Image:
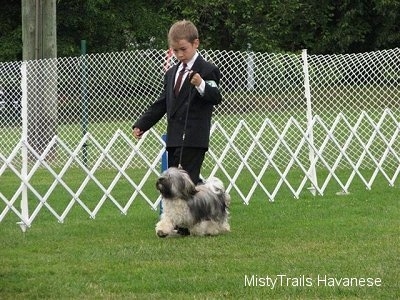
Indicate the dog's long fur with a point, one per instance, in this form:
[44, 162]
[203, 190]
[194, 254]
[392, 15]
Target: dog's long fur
[203, 209]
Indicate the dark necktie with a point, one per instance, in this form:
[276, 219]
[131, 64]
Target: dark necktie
[179, 80]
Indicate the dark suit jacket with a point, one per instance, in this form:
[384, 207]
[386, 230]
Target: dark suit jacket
[200, 107]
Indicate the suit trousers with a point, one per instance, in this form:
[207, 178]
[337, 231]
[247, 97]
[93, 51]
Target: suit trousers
[192, 160]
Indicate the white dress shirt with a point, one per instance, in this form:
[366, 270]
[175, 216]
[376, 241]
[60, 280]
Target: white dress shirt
[189, 66]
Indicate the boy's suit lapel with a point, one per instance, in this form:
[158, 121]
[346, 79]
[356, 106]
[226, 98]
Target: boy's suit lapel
[173, 102]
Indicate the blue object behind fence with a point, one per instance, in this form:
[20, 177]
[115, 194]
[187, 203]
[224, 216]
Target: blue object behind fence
[164, 165]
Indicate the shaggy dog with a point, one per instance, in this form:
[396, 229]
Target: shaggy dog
[202, 209]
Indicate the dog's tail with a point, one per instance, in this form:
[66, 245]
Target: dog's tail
[217, 186]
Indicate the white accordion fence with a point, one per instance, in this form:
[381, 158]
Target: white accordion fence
[288, 121]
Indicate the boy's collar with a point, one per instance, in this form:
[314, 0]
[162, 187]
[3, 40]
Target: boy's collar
[191, 62]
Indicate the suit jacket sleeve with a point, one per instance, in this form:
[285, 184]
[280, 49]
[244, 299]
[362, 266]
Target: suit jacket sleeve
[211, 92]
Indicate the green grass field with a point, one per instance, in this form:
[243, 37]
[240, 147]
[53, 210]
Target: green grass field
[308, 247]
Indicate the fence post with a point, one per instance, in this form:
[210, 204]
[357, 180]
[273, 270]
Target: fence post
[307, 93]
[24, 150]
[84, 99]
[164, 165]
[250, 69]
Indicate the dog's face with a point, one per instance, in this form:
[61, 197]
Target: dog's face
[175, 183]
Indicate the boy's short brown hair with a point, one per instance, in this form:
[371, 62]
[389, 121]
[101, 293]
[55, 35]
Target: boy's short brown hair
[183, 30]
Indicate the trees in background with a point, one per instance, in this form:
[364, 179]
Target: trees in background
[10, 30]
[321, 26]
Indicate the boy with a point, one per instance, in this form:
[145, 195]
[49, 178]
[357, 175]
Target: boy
[188, 120]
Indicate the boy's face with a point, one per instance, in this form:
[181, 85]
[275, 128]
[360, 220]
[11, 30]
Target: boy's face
[184, 50]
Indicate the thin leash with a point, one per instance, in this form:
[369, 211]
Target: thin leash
[186, 120]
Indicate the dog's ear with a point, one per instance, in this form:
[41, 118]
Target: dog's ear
[190, 187]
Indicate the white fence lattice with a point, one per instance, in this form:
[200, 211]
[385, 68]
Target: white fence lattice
[280, 112]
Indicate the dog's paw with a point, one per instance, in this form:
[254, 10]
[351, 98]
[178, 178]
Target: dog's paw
[161, 234]
[182, 231]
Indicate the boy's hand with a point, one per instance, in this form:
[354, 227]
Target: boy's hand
[137, 133]
[195, 78]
